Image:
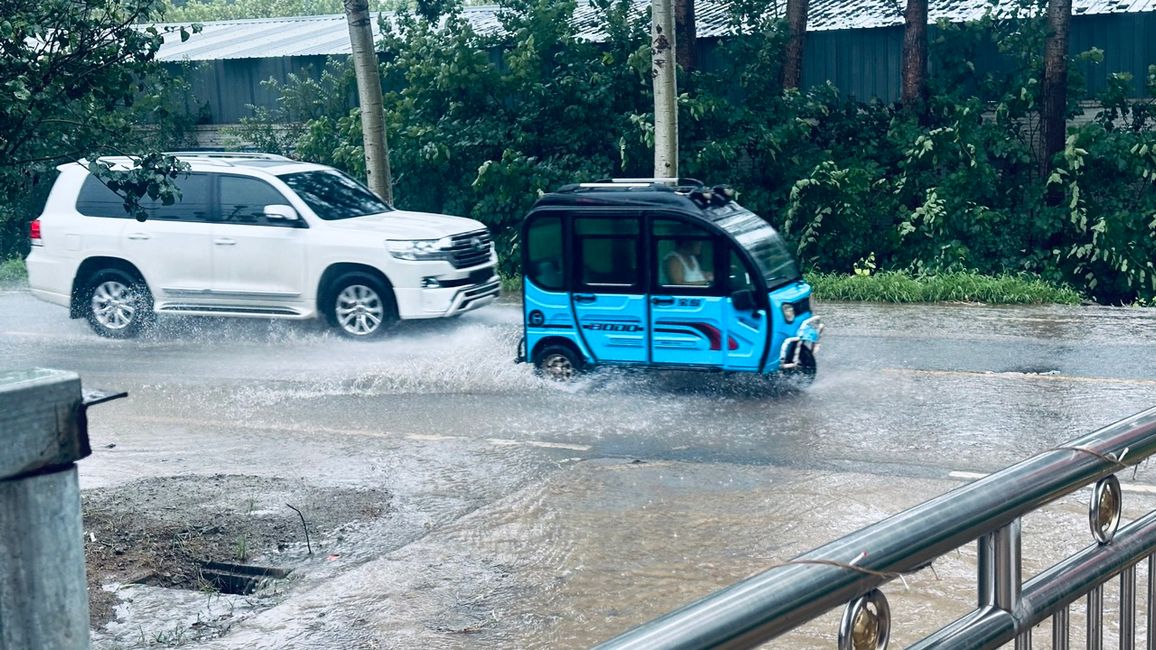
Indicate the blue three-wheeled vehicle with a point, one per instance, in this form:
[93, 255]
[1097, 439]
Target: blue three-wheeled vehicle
[661, 273]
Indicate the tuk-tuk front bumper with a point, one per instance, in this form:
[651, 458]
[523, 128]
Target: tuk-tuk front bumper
[791, 353]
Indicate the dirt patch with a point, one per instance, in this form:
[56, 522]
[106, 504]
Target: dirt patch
[160, 530]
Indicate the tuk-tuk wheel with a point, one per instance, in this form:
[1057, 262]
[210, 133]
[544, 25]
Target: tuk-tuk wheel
[804, 375]
[558, 363]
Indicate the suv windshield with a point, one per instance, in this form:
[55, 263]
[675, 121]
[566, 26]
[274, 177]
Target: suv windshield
[333, 195]
[763, 242]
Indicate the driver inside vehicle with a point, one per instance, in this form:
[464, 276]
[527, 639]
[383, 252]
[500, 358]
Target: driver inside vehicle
[683, 265]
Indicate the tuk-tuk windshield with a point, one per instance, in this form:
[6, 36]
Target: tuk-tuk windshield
[764, 244]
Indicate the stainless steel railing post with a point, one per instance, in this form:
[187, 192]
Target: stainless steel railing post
[1128, 608]
[1151, 602]
[1095, 618]
[1060, 629]
[1007, 566]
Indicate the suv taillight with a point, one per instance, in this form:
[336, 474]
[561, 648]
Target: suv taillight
[34, 233]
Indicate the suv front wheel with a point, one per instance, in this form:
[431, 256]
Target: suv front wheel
[361, 306]
[117, 304]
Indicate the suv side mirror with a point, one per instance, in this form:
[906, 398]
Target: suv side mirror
[282, 213]
[744, 300]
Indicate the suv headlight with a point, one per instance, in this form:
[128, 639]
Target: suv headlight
[420, 249]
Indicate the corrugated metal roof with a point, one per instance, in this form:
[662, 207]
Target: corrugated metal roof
[324, 35]
[856, 14]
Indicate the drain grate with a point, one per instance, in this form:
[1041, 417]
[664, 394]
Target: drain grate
[240, 579]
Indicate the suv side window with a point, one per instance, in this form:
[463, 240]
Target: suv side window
[96, 200]
[608, 252]
[243, 200]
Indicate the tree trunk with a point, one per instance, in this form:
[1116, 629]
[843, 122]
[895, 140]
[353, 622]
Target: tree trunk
[685, 34]
[1053, 119]
[914, 95]
[369, 97]
[662, 49]
[796, 31]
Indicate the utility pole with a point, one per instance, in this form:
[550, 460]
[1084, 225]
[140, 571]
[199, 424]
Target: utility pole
[662, 67]
[369, 97]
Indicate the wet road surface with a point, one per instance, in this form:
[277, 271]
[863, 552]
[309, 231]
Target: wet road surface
[533, 515]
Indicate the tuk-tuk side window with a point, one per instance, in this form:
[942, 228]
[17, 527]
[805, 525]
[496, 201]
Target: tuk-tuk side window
[684, 256]
[740, 275]
[607, 252]
[544, 253]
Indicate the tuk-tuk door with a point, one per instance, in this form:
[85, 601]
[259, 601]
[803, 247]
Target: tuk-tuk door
[609, 292]
[704, 305]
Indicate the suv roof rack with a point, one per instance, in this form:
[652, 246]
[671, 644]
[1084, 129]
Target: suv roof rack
[248, 155]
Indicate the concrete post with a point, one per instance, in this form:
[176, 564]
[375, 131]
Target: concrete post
[43, 595]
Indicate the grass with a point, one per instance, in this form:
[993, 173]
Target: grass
[13, 271]
[901, 286]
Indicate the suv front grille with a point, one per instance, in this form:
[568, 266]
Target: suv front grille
[471, 249]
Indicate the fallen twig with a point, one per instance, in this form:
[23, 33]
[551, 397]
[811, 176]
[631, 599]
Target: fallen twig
[303, 525]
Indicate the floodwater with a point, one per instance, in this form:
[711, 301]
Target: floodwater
[533, 515]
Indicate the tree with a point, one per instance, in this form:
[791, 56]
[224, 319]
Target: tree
[662, 44]
[796, 31]
[1053, 116]
[685, 34]
[369, 92]
[914, 92]
[75, 77]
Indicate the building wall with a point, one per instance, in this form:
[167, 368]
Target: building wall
[1128, 42]
[861, 63]
[225, 89]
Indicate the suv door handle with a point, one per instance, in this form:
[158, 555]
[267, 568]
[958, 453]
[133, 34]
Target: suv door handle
[585, 297]
[662, 302]
[225, 241]
[137, 235]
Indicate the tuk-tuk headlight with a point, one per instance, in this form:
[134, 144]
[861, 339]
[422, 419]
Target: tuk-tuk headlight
[788, 312]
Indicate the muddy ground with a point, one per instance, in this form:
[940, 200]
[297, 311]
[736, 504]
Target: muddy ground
[160, 531]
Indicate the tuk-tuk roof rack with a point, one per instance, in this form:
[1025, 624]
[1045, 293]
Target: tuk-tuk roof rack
[692, 188]
[676, 184]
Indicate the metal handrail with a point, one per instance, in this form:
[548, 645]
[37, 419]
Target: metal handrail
[764, 606]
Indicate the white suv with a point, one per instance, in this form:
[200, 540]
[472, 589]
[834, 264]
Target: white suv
[255, 235]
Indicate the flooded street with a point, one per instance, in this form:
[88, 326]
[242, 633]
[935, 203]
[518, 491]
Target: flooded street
[457, 501]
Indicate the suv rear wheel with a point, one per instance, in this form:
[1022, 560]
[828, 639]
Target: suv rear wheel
[117, 303]
[361, 306]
